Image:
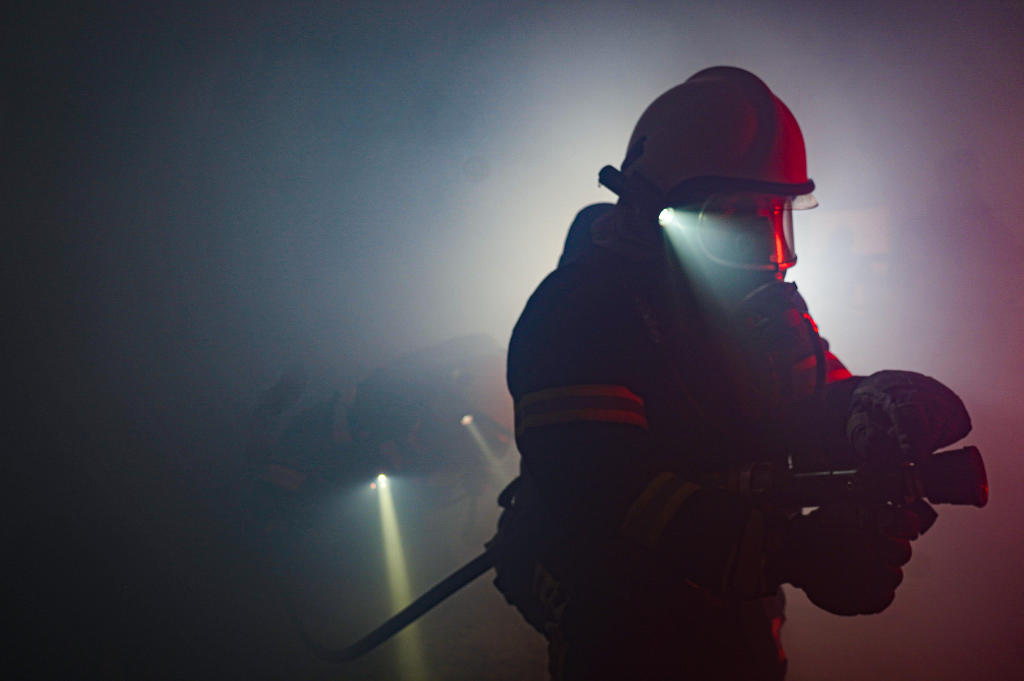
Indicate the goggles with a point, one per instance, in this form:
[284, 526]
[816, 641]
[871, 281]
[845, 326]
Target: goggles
[744, 230]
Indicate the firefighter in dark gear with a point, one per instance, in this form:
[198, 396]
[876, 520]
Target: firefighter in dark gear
[425, 416]
[667, 348]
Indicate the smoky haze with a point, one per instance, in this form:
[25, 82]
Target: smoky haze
[199, 197]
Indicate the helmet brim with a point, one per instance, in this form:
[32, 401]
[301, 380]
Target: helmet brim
[697, 189]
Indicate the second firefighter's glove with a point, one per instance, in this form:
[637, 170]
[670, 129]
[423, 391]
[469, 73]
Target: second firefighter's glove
[846, 559]
[905, 415]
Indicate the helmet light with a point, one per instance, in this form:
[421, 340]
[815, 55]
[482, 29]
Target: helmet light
[740, 230]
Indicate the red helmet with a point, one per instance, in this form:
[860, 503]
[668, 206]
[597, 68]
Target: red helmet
[713, 147]
[721, 130]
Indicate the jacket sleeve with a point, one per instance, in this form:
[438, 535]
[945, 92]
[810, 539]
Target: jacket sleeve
[580, 368]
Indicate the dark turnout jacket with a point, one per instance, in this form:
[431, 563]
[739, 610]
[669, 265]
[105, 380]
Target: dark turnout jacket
[628, 394]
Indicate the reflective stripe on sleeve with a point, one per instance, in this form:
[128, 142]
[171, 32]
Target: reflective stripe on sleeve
[580, 403]
[653, 509]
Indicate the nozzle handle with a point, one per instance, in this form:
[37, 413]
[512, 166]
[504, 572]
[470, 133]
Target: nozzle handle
[956, 476]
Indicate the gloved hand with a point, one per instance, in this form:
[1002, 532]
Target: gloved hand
[846, 559]
[904, 415]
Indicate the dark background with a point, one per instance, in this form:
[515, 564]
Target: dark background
[197, 195]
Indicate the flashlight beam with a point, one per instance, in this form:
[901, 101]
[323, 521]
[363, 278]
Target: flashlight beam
[410, 653]
[494, 467]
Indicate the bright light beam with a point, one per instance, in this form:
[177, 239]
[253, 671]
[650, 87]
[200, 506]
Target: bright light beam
[678, 226]
[499, 476]
[410, 647]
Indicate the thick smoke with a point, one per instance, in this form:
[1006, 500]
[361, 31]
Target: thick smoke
[201, 196]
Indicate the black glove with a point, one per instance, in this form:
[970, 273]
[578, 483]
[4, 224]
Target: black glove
[847, 559]
[904, 415]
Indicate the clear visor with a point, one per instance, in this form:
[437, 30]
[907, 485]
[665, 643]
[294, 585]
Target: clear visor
[742, 230]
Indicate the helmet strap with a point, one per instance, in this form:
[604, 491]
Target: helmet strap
[646, 200]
